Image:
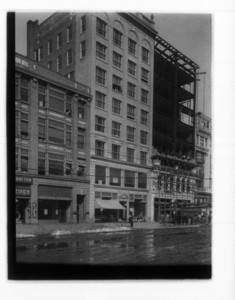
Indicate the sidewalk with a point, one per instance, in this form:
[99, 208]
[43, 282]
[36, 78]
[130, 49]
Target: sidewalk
[64, 228]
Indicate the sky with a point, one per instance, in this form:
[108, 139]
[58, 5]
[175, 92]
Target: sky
[188, 33]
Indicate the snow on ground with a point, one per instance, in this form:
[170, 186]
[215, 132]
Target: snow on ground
[24, 235]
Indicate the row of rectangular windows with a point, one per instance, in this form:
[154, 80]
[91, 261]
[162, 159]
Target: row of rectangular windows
[100, 102]
[115, 177]
[50, 131]
[101, 29]
[116, 153]
[116, 130]
[59, 61]
[38, 53]
[51, 164]
[117, 83]
[57, 99]
[101, 52]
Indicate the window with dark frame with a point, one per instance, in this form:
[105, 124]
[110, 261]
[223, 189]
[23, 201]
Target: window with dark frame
[57, 100]
[100, 100]
[24, 160]
[144, 75]
[143, 137]
[81, 138]
[40, 53]
[116, 129]
[101, 51]
[130, 155]
[129, 178]
[99, 148]
[68, 108]
[131, 68]
[59, 40]
[56, 164]
[143, 116]
[68, 168]
[117, 60]
[81, 110]
[99, 123]
[101, 27]
[56, 132]
[100, 174]
[115, 177]
[42, 95]
[68, 137]
[143, 157]
[83, 23]
[36, 55]
[83, 49]
[116, 151]
[131, 112]
[117, 37]
[116, 106]
[144, 96]
[142, 180]
[131, 46]
[24, 90]
[69, 33]
[117, 84]
[131, 90]
[41, 163]
[100, 75]
[24, 126]
[49, 47]
[69, 57]
[41, 130]
[145, 55]
[130, 135]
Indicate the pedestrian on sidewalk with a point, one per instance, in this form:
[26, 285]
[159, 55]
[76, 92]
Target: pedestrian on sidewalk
[131, 221]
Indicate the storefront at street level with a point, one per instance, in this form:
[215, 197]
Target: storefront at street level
[112, 206]
[23, 194]
[44, 200]
[61, 201]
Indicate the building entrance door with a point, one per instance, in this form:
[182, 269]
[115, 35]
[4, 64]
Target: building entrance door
[80, 208]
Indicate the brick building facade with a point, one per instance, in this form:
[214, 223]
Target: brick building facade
[52, 135]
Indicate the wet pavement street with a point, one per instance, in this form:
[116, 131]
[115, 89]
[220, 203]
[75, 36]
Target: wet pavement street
[181, 246]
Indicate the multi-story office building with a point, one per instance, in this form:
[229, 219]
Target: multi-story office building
[114, 54]
[52, 137]
[203, 159]
[174, 165]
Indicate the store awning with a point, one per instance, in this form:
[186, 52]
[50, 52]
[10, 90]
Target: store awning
[108, 204]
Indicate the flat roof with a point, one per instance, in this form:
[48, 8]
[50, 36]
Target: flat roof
[31, 67]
